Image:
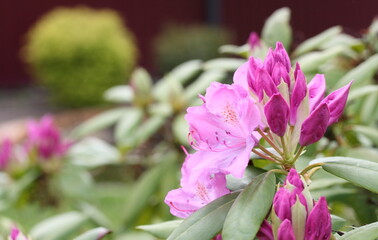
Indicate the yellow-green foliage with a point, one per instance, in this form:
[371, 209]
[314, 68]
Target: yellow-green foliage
[80, 52]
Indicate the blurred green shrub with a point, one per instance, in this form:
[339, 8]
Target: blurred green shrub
[179, 43]
[79, 52]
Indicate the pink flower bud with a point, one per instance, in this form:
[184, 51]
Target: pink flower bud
[314, 127]
[5, 153]
[265, 232]
[264, 83]
[285, 231]
[279, 72]
[298, 94]
[277, 114]
[282, 203]
[336, 102]
[294, 179]
[254, 40]
[281, 55]
[318, 224]
[316, 89]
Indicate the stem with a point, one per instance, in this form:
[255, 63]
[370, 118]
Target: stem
[298, 153]
[278, 171]
[264, 156]
[269, 141]
[284, 147]
[306, 169]
[269, 153]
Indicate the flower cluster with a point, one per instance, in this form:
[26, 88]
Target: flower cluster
[294, 215]
[268, 100]
[44, 138]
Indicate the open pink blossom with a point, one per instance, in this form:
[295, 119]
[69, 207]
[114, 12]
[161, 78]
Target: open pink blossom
[44, 138]
[222, 129]
[193, 195]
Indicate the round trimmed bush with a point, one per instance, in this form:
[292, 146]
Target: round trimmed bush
[179, 43]
[78, 53]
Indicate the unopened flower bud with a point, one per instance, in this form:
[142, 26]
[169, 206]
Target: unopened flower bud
[285, 231]
[277, 114]
[298, 94]
[315, 126]
[318, 224]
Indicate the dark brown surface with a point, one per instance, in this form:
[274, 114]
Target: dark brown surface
[146, 18]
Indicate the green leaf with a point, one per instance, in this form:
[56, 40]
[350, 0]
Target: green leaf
[93, 152]
[362, 74]
[94, 234]
[362, 91]
[360, 172]
[180, 129]
[202, 82]
[206, 222]
[337, 222]
[250, 208]
[127, 123]
[310, 62]
[316, 41]
[367, 232]
[225, 64]
[119, 94]
[161, 230]
[98, 122]
[242, 51]
[185, 71]
[141, 81]
[59, 226]
[370, 132]
[144, 188]
[95, 214]
[148, 128]
[277, 28]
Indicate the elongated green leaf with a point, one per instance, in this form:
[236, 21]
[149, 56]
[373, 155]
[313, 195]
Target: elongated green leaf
[94, 234]
[119, 94]
[127, 123]
[361, 74]
[93, 152]
[185, 71]
[361, 172]
[316, 41]
[144, 188]
[310, 62]
[277, 28]
[180, 129]
[250, 208]
[370, 132]
[367, 232]
[161, 230]
[206, 222]
[203, 82]
[337, 222]
[59, 226]
[362, 91]
[242, 51]
[98, 122]
[95, 215]
[226, 64]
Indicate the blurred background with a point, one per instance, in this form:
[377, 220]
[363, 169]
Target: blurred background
[132, 68]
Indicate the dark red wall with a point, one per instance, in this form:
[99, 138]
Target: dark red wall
[145, 19]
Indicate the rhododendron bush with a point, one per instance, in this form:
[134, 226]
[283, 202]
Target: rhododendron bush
[266, 142]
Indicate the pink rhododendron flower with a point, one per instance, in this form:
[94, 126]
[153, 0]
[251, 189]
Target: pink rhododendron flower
[222, 129]
[44, 138]
[296, 215]
[5, 153]
[193, 195]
